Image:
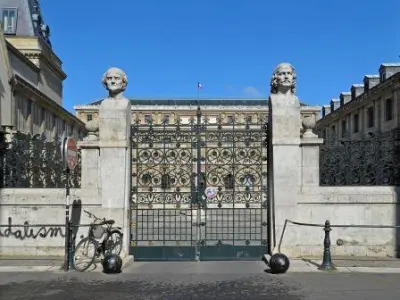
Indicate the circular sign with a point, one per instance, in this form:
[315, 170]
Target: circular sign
[71, 153]
[210, 192]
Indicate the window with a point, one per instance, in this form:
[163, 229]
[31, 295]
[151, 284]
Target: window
[229, 182]
[9, 20]
[248, 181]
[370, 117]
[353, 94]
[89, 117]
[165, 181]
[147, 119]
[166, 119]
[383, 76]
[356, 123]
[344, 128]
[230, 119]
[250, 119]
[333, 130]
[388, 109]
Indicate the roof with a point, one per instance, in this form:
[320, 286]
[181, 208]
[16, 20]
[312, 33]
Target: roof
[195, 101]
[390, 65]
[29, 19]
[371, 76]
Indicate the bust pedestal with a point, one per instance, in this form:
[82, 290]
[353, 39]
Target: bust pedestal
[115, 162]
[284, 160]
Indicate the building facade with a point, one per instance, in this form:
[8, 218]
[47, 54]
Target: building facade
[370, 107]
[31, 86]
[169, 111]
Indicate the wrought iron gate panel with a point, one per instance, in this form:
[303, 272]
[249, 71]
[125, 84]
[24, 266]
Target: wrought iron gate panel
[199, 189]
[234, 163]
[162, 178]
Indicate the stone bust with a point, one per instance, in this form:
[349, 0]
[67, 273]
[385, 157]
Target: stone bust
[283, 81]
[115, 81]
[283, 86]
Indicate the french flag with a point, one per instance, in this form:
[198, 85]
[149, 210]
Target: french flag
[199, 85]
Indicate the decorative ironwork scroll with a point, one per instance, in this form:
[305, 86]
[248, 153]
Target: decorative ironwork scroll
[199, 188]
[33, 162]
[373, 159]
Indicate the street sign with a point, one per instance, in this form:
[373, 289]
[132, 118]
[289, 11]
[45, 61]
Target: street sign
[70, 153]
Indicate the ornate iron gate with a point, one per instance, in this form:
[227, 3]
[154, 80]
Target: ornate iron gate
[199, 188]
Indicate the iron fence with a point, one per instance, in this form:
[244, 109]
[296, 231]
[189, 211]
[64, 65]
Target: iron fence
[372, 159]
[34, 162]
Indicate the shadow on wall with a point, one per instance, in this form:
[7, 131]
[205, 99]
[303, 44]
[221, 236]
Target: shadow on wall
[397, 212]
[2, 89]
[76, 212]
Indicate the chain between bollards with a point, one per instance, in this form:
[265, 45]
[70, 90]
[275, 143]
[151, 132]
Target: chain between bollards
[327, 258]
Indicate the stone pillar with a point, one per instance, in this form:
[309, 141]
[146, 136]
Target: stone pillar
[115, 162]
[310, 153]
[284, 158]
[285, 162]
[90, 154]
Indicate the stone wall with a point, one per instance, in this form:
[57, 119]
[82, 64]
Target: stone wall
[294, 163]
[39, 206]
[344, 206]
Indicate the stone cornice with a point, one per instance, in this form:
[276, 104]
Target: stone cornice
[23, 57]
[353, 104]
[177, 108]
[4, 50]
[191, 108]
[36, 48]
[18, 83]
[43, 58]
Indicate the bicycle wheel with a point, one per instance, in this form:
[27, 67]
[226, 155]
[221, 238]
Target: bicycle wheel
[113, 243]
[84, 254]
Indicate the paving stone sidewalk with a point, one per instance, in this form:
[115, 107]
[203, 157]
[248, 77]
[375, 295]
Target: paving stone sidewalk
[309, 264]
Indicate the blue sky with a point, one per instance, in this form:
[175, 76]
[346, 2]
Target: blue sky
[230, 46]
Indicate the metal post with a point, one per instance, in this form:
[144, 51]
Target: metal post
[199, 178]
[67, 223]
[70, 247]
[327, 260]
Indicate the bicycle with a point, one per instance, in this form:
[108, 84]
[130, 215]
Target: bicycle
[100, 240]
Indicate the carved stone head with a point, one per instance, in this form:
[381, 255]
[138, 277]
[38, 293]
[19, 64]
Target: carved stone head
[115, 81]
[283, 78]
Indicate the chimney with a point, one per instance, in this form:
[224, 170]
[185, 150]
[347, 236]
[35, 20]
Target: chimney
[326, 110]
[370, 81]
[387, 70]
[335, 104]
[356, 90]
[344, 98]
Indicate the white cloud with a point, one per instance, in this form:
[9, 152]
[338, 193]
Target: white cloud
[251, 91]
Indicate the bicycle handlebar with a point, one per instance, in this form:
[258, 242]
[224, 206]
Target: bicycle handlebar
[93, 216]
[103, 221]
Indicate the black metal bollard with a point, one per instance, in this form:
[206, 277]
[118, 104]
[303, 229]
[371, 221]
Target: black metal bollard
[67, 241]
[327, 259]
[70, 247]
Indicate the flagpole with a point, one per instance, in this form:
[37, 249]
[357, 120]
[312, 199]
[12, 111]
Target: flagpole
[198, 94]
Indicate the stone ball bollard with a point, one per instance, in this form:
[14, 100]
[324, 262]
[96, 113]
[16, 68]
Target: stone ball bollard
[279, 263]
[112, 264]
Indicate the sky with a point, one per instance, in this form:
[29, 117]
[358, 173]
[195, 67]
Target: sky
[230, 46]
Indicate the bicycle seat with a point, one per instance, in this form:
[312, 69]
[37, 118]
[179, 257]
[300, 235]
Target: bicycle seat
[109, 222]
